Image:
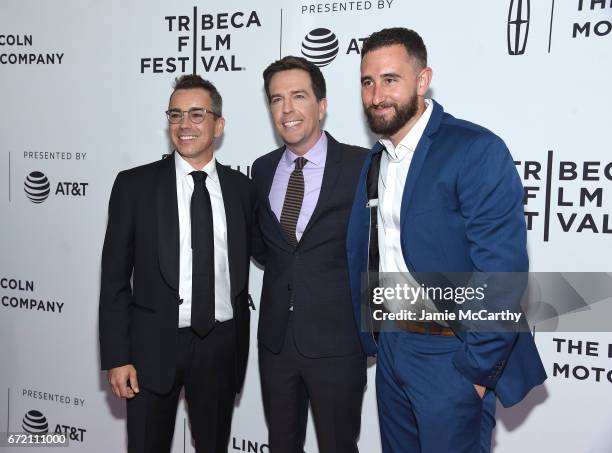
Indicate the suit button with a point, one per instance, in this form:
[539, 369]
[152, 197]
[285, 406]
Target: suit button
[180, 301]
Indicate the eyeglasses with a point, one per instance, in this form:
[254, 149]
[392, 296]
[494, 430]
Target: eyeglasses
[196, 115]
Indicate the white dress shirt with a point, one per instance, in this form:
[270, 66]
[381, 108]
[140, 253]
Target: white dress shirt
[394, 165]
[184, 190]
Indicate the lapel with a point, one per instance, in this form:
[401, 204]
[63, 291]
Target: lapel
[168, 223]
[236, 241]
[420, 154]
[371, 181]
[268, 172]
[359, 223]
[331, 173]
[367, 187]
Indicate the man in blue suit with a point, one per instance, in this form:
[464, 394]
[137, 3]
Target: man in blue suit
[436, 194]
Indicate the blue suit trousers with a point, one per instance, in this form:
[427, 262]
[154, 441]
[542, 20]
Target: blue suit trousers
[425, 404]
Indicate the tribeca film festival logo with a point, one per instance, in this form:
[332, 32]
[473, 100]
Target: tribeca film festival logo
[518, 26]
[37, 187]
[203, 44]
[18, 50]
[574, 195]
[19, 294]
[35, 422]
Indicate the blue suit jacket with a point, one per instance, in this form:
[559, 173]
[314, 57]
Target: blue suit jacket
[461, 212]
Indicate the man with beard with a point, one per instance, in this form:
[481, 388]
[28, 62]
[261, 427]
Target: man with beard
[436, 194]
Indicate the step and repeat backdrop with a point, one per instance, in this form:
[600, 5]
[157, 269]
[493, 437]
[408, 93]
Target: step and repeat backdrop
[84, 85]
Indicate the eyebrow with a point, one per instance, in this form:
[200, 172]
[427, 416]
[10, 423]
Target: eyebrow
[176, 109]
[272, 95]
[382, 76]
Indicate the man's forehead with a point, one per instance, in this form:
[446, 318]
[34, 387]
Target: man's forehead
[291, 77]
[386, 59]
[393, 51]
[186, 95]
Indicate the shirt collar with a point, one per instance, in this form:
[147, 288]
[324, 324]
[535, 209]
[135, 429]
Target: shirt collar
[183, 168]
[315, 155]
[410, 141]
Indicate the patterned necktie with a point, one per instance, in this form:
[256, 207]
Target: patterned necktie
[203, 257]
[293, 201]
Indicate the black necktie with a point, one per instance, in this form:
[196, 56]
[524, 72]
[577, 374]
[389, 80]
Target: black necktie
[373, 252]
[293, 201]
[203, 257]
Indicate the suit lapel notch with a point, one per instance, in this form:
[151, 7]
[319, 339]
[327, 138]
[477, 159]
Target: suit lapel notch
[331, 174]
[418, 159]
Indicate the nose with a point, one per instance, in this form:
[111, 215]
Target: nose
[185, 120]
[378, 95]
[288, 105]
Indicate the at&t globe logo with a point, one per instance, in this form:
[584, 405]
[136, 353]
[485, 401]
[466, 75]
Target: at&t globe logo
[34, 422]
[37, 187]
[320, 46]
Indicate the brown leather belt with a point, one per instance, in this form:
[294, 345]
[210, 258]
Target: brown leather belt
[425, 328]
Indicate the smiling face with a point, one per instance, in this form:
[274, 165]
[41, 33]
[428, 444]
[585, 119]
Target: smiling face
[296, 112]
[195, 141]
[393, 90]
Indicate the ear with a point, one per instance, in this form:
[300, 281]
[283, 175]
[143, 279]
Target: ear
[423, 81]
[219, 127]
[322, 108]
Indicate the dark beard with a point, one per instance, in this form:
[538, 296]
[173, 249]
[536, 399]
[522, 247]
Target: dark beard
[387, 128]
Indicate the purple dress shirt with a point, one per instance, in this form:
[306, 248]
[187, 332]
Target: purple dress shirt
[313, 177]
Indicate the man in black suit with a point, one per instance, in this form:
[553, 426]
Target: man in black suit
[308, 344]
[174, 288]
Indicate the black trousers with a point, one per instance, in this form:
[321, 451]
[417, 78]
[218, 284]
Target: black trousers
[205, 368]
[334, 386]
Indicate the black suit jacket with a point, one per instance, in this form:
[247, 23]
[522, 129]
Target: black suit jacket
[314, 275]
[140, 271]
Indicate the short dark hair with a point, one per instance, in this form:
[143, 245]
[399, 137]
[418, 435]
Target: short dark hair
[290, 62]
[190, 81]
[410, 39]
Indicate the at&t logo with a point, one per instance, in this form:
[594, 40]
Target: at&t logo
[37, 187]
[34, 422]
[320, 46]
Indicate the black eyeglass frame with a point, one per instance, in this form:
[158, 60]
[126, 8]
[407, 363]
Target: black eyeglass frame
[189, 112]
